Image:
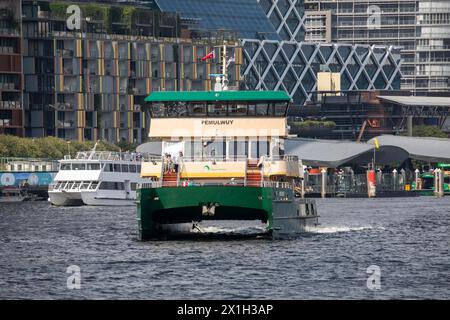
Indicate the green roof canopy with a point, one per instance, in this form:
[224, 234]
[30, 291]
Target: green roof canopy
[167, 96]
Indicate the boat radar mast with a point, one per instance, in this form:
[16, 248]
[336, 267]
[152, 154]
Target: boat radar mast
[222, 78]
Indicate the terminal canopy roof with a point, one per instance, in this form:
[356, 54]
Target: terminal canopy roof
[419, 148]
[418, 101]
[392, 149]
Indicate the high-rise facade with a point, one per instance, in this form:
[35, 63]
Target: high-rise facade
[275, 55]
[420, 27]
[11, 80]
[84, 75]
[90, 83]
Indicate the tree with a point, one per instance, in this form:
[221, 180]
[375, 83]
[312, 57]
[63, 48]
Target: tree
[48, 147]
[428, 131]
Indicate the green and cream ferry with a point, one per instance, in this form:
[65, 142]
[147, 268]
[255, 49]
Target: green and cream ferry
[222, 159]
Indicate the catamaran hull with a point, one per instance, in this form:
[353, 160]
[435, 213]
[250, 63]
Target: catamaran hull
[94, 199]
[284, 215]
[60, 198]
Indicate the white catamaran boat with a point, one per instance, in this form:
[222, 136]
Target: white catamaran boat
[97, 178]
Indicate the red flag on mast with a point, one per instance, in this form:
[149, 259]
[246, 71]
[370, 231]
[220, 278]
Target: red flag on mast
[210, 55]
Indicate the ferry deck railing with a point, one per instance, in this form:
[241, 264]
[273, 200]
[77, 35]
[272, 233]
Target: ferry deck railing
[203, 183]
[106, 155]
[153, 158]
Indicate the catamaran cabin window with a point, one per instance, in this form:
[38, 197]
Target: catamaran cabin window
[117, 168]
[133, 168]
[259, 149]
[280, 109]
[84, 185]
[93, 185]
[125, 168]
[238, 149]
[217, 109]
[239, 109]
[78, 166]
[197, 109]
[93, 166]
[108, 167]
[107, 185]
[158, 110]
[76, 185]
[214, 149]
[66, 166]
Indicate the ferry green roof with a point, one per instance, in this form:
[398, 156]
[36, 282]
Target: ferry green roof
[167, 96]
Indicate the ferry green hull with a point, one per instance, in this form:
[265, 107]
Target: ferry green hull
[161, 207]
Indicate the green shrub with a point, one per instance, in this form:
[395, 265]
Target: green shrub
[48, 147]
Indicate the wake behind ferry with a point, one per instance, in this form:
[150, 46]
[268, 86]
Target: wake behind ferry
[223, 159]
[97, 178]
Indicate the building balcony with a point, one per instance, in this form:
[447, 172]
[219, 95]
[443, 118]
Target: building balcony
[9, 32]
[67, 124]
[8, 86]
[10, 105]
[66, 106]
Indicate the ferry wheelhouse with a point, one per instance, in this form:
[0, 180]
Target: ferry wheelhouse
[222, 158]
[100, 178]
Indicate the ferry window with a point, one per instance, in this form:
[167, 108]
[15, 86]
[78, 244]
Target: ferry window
[117, 168]
[263, 148]
[75, 185]
[93, 185]
[217, 109]
[139, 168]
[108, 167]
[158, 110]
[78, 166]
[188, 149]
[133, 186]
[65, 166]
[261, 109]
[124, 168]
[197, 109]
[108, 185]
[251, 111]
[176, 109]
[428, 183]
[259, 149]
[277, 148]
[214, 149]
[93, 166]
[239, 149]
[70, 185]
[237, 109]
[280, 109]
[132, 168]
[84, 185]
[197, 150]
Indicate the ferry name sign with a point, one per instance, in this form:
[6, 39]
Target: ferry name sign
[218, 127]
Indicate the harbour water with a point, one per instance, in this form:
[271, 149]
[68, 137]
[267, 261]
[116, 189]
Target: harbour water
[407, 238]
